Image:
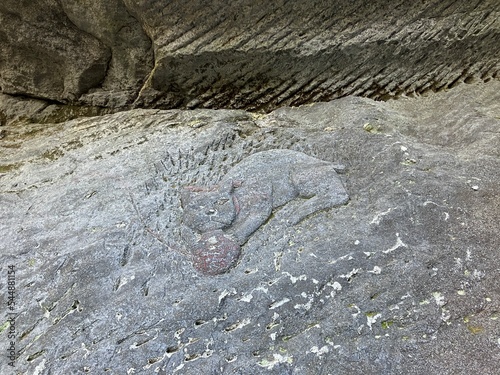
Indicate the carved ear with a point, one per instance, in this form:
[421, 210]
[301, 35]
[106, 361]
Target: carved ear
[228, 186]
[237, 183]
[340, 168]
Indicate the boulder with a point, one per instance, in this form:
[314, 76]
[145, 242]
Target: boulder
[403, 279]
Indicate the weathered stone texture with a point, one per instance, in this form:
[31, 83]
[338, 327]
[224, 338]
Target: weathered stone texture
[44, 55]
[246, 54]
[403, 279]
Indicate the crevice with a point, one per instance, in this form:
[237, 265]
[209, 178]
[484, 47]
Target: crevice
[34, 356]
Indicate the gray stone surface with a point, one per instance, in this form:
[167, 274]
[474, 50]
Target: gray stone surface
[244, 54]
[403, 279]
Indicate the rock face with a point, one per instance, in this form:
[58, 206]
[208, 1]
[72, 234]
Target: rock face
[247, 54]
[403, 279]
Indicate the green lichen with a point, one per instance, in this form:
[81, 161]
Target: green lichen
[370, 128]
[475, 329]
[386, 324]
[409, 162]
[52, 155]
[4, 326]
[9, 167]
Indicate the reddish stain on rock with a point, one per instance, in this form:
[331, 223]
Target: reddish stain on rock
[215, 253]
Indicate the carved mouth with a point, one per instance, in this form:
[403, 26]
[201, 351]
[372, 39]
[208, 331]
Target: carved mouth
[220, 224]
[236, 205]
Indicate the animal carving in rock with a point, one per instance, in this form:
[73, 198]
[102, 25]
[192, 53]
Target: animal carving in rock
[219, 219]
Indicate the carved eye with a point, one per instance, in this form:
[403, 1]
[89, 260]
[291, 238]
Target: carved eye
[221, 202]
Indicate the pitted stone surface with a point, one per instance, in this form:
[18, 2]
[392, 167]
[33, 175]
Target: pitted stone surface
[402, 279]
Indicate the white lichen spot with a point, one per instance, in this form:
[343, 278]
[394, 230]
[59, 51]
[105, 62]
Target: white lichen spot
[251, 270]
[461, 292]
[212, 240]
[277, 304]
[478, 275]
[304, 306]
[178, 333]
[358, 310]
[275, 360]
[446, 216]
[368, 253]
[424, 302]
[315, 281]
[407, 295]
[371, 319]
[468, 256]
[246, 298]
[225, 293]
[434, 203]
[262, 289]
[125, 279]
[398, 244]
[350, 274]
[273, 336]
[335, 285]
[207, 353]
[319, 351]
[131, 371]
[475, 187]
[338, 259]
[178, 368]
[445, 314]
[376, 219]
[84, 348]
[439, 299]
[40, 367]
[356, 242]
[376, 270]
[238, 325]
[294, 279]
[46, 311]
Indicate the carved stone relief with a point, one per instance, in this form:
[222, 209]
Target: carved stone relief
[217, 220]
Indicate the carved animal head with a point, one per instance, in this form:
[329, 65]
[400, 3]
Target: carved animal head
[208, 209]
